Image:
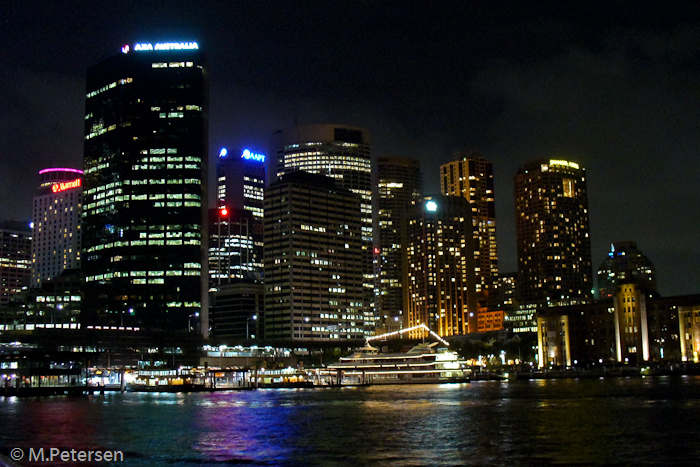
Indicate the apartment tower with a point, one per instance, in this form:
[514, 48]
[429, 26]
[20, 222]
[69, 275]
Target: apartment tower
[399, 181]
[471, 177]
[552, 233]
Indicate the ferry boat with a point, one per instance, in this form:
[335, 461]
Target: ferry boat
[423, 364]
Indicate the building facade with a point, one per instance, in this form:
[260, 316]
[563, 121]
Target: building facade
[235, 251]
[552, 234]
[313, 261]
[15, 259]
[145, 188]
[342, 153]
[440, 289]
[237, 311]
[471, 177]
[399, 181]
[241, 178]
[56, 232]
[625, 264]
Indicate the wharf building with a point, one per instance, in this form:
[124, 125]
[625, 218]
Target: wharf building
[15, 259]
[145, 189]
[56, 233]
[625, 264]
[440, 289]
[471, 177]
[342, 153]
[399, 181]
[633, 327]
[313, 261]
[552, 235]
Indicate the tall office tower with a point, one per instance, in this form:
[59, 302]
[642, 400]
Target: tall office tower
[471, 177]
[240, 189]
[56, 230]
[233, 252]
[15, 259]
[440, 288]
[553, 244]
[342, 153]
[313, 262]
[145, 191]
[625, 264]
[399, 181]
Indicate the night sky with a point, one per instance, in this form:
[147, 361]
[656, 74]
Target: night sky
[611, 85]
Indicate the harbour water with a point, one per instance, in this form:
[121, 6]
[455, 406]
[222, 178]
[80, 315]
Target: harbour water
[567, 422]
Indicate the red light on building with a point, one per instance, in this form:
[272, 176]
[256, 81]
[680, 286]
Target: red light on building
[63, 186]
[223, 211]
[376, 251]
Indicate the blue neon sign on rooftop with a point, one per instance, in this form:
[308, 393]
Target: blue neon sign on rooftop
[253, 156]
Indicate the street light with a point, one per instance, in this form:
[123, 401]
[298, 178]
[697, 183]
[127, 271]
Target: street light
[247, 332]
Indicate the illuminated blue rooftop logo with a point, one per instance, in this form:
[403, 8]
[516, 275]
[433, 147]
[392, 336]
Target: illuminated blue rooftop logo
[223, 152]
[247, 155]
[431, 206]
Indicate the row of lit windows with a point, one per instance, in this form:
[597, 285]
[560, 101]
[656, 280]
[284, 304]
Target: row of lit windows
[171, 65]
[108, 87]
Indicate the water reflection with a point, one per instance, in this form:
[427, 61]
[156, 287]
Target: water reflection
[619, 421]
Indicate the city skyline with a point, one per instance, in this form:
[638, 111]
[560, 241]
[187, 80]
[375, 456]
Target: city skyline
[610, 90]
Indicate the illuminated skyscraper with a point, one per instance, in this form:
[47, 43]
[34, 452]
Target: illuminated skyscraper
[56, 230]
[399, 181]
[15, 259]
[471, 177]
[145, 191]
[553, 244]
[236, 238]
[440, 289]
[342, 153]
[625, 265]
[313, 265]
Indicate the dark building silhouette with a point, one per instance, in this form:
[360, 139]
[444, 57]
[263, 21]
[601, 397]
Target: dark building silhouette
[625, 264]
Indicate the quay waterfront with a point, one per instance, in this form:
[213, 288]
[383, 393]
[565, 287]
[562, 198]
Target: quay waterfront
[650, 421]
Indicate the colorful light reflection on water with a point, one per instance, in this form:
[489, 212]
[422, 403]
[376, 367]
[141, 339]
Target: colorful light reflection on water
[624, 421]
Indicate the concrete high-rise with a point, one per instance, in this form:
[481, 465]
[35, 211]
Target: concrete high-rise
[313, 261]
[440, 289]
[552, 233]
[145, 188]
[342, 153]
[56, 233]
[471, 177]
[399, 181]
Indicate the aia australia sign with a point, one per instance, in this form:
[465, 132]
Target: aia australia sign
[63, 186]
